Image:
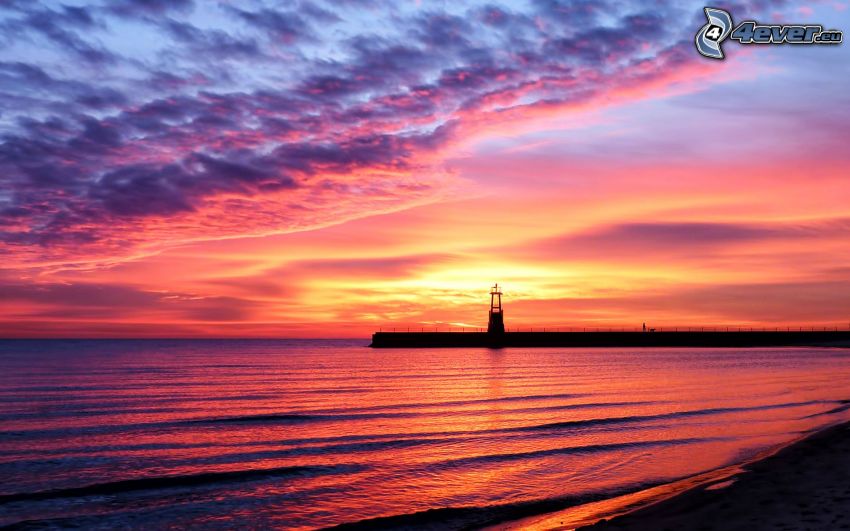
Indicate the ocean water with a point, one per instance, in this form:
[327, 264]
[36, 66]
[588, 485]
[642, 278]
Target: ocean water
[308, 434]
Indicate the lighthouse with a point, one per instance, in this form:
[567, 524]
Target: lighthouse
[496, 324]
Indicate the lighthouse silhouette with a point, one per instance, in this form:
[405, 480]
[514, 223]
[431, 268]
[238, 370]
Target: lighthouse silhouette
[496, 324]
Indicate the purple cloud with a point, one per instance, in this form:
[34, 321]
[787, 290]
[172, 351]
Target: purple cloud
[282, 117]
[657, 241]
[86, 300]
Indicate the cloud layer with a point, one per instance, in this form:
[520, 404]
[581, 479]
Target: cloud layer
[264, 168]
[143, 124]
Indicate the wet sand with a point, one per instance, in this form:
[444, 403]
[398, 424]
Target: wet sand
[803, 486]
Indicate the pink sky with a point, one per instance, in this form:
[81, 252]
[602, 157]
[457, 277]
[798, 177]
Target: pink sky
[638, 183]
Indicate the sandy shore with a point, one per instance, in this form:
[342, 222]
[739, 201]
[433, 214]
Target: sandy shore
[804, 486]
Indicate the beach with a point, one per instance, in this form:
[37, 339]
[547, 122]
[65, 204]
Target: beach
[805, 485]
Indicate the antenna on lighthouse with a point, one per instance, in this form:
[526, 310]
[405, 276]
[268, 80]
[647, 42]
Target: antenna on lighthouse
[496, 323]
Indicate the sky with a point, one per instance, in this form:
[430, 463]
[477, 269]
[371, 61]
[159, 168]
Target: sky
[180, 168]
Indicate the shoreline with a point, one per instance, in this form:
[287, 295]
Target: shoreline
[626, 509]
[804, 483]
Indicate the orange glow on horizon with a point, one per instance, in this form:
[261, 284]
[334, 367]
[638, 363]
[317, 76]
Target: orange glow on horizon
[606, 212]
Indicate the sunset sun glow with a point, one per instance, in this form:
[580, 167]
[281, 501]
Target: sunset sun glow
[171, 171]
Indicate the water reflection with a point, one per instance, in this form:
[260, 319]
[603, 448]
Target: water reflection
[309, 434]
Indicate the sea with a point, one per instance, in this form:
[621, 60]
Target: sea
[308, 434]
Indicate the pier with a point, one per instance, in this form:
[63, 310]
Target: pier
[497, 337]
[770, 338]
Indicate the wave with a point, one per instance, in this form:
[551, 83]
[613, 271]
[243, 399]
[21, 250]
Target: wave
[308, 451]
[180, 481]
[658, 416]
[383, 413]
[464, 517]
[452, 403]
[585, 449]
[307, 417]
[845, 405]
[86, 413]
[443, 435]
[297, 417]
[271, 417]
[474, 517]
